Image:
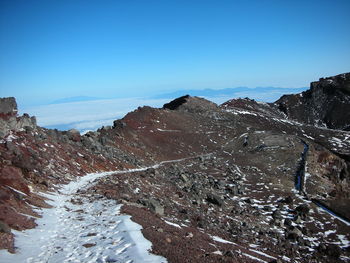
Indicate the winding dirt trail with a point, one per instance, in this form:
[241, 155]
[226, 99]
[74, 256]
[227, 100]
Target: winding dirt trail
[84, 228]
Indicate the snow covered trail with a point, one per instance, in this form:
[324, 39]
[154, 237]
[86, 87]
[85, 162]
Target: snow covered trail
[79, 228]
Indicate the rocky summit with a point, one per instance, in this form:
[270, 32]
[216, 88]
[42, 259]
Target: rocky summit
[326, 103]
[244, 181]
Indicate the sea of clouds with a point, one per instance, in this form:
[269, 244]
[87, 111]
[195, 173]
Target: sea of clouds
[93, 114]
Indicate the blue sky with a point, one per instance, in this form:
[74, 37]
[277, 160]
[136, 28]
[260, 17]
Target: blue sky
[54, 49]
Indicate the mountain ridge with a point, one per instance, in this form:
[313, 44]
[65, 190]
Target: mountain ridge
[227, 92]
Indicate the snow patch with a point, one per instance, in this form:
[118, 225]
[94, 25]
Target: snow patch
[255, 258]
[262, 253]
[162, 130]
[17, 191]
[172, 224]
[219, 239]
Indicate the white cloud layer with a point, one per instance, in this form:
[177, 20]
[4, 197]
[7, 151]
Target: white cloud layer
[88, 114]
[91, 115]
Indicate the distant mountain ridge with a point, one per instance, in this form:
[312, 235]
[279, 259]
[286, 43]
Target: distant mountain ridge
[232, 92]
[74, 99]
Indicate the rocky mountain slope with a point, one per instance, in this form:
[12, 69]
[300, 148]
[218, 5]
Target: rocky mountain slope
[241, 182]
[326, 103]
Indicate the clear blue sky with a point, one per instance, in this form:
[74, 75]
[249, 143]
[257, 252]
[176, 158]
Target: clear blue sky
[61, 48]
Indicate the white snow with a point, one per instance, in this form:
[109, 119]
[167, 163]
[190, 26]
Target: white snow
[219, 239]
[172, 224]
[255, 258]
[262, 253]
[286, 258]
[338, 142]
[236, 112]
[162, 130]
[17, 191]
[343, 240]
[253, 245]
[64, 229]
[307, 176]
[11, 137]
[345, 259]
[327, 233]
[308, 136]
[333, 215]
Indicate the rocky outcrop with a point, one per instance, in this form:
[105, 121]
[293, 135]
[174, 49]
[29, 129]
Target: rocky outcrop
[9, 119]
[326, 103]
[8, 105]
[174, 104]
[253, 106]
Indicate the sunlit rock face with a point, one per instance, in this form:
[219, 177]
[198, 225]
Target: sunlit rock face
[8, 105]
[326, 103]
[9, 119]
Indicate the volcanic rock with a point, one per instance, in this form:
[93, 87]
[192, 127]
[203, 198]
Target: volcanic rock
[8, 105]
[326, 103]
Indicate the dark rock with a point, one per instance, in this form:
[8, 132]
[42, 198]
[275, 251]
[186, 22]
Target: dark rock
[214, 199]
[87, 245]
[277, 214]
[327, 102]
[118, 124]
[287, 222]
[151, 172]
[153, 205]
[293, 234]
[267, 208]
[4, 228]
[248, 201]
[45, 183]
[13, 148]
[174, 104]
[183, 211]
[302, 209]
[73, 135]
[288, 200]
[331, 250]
[234, 190]
[229, 253]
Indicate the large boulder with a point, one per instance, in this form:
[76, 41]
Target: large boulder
[153, 205]
[8, 105]
[9, 120]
